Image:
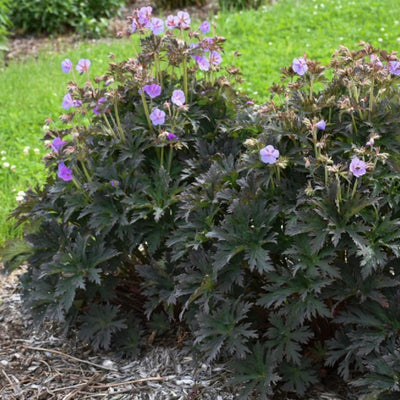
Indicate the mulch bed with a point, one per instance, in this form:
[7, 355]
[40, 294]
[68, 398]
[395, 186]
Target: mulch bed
[45, 364]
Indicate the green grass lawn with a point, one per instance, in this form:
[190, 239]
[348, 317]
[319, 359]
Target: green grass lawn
[268, 39]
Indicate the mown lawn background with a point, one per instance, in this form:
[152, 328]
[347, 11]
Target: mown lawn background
[268, 39]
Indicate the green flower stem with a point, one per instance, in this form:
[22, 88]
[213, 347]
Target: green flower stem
[315, 140]
[326, 175]
[85, 171]
[76, 183]
[109, 126]
[278, 173]
[354, 123]
[354, 188]
[371, 99]
[162, 157]
[339, 193]
[170, 154]
[272, 180]
[146, 110]
[185, 77]
[121, 131]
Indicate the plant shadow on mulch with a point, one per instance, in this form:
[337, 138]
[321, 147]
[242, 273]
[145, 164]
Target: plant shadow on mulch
[46, 364]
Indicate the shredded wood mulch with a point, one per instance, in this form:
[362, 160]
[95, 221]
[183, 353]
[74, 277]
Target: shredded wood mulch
[47, 365]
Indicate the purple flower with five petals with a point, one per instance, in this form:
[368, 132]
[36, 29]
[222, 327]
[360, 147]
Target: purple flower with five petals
[157, 117]
[152, 90]
[83, 65]
[64, 172]
[358, 167]
[57, 144]
[66, 65]
[183, 19]
[205, 27]
[172, 22]
[394, 67]
[68, 102]
[215, 58]
[157, 26]
[269, 154]
[144, 15]
[178, 97]
[202, 62]
[299, 66]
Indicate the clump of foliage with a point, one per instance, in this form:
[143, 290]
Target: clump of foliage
[4, 23]
[60, 16]
[269, 232]
[133, 139]
[288, 258]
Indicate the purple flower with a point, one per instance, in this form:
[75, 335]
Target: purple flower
[207, 42]
[114, 183]
[66, 65]
[57, 144]
[157, 26]
[144, 16]
[134, 26]
[157, 117]
[321, 125]
[202, 62]
[269, 154]
[152, 90]
[370, 142]
[83, 65]
[183, 19]
[358, 167]
[97, 109]
[394, 67]
[68, 102]
[64, 172]
[171, 136]
[178, 97]
[299, 66]
[215, 58]
[375, 60]
[172, 22]
[205, 27]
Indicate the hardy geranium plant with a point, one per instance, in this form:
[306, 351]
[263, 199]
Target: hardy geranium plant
[133, 139]
[270, 232]
[287, 259]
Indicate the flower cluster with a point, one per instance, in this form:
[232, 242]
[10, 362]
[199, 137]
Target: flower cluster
[82, 66]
